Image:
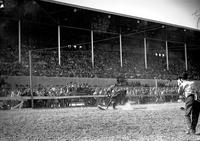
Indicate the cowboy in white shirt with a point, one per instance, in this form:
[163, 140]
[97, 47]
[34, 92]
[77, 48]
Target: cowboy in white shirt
[188, 89]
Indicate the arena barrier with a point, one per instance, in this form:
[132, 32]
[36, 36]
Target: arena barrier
[138, 99]
[25, 98]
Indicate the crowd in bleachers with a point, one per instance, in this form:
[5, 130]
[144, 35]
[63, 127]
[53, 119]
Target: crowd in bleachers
[78, 63]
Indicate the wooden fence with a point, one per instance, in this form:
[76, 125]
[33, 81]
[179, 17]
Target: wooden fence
[138, 98]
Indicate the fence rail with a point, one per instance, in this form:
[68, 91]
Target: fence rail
[73, 97]
[139, 99]
[50, 97]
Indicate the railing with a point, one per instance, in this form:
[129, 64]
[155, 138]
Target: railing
[25, 98]
[50, 97]
[75, 96]
[138, 98]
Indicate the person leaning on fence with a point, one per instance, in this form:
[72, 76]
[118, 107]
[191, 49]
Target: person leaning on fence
[188, 89]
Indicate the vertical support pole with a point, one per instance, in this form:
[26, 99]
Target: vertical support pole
[30, 79]
[120, 45]
[92, 48]
[145, 52]
[19, 41]
[167, 55]
[156, 84]
[156, 89]
[186, 63]
[59, 53]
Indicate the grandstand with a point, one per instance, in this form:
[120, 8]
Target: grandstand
[71, 47]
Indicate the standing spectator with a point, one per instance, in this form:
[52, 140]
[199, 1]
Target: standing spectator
[192, 105]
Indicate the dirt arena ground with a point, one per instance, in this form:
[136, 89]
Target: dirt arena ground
[127, 123]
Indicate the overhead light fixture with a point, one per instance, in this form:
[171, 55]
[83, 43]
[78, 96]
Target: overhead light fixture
[34, 2]
[75, 10]
[2, 4]
[128, 29]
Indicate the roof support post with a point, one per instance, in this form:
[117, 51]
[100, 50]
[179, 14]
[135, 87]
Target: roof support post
[186, 63]
[120, 45]
[59, 53]
[92, 48]
[167, 54]
[145, 52]
[19, 41]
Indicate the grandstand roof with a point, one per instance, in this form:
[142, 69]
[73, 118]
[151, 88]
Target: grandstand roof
[85, 19]
[182, 13]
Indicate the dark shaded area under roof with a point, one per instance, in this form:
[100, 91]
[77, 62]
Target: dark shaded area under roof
[38, 12]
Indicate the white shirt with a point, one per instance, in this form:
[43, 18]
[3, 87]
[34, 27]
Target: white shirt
[187, 88]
